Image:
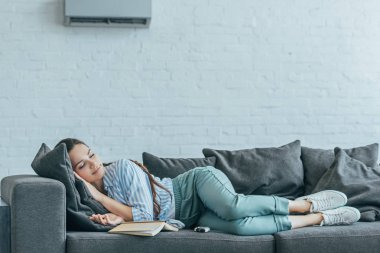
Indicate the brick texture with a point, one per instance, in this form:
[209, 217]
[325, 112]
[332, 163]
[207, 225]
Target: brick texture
[216, 73]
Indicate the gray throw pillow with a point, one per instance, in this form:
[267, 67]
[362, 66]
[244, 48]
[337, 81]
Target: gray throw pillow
[263, 171]
[359, 182]
[172, 167]
[317, 161]
[80, 204]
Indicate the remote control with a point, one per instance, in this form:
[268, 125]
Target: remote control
[202, 229]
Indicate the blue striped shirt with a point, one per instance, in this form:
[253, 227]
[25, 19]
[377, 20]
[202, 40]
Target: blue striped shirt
[127, 183]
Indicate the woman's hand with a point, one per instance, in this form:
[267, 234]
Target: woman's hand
[94, 192]
[107, 219]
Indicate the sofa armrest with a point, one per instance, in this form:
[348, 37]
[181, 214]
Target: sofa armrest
[37, 212]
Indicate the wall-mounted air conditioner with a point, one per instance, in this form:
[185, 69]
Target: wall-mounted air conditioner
[120, 13]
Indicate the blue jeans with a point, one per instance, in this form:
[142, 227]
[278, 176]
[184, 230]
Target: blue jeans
[204, 196]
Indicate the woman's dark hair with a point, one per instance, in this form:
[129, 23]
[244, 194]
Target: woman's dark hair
[71, 142]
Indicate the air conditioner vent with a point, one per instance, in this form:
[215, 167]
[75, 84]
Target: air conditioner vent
[121, 13]
[89, 21]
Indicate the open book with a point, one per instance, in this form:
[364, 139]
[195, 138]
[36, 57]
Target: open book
[143, 228]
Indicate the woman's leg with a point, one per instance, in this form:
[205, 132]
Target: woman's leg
[260, 225]
[299, 206]
[218, 195]
[299, 221]
[269, 224]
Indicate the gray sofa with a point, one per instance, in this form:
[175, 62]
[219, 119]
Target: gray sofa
[38, 224]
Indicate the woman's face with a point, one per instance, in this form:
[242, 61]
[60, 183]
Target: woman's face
[86, 164]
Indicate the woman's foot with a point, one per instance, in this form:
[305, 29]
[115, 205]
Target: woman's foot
[325, 200]
[340, 216]
[345, 215]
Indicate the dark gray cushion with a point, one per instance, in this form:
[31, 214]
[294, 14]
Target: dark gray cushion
[172, 167]
[183, 241]
[263, 171]
[360, 183]
[357, 238]
[56, 164]
[317, 161]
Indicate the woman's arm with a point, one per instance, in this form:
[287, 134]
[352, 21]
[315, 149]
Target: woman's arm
[111, 205]
[107, 219]
[116, 207]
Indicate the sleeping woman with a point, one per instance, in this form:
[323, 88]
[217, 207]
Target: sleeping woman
[202, 196]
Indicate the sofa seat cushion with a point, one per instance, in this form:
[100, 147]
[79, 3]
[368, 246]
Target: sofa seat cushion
[357, 238]
[167, 242]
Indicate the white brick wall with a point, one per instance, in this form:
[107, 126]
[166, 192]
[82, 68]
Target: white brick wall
[216, 73]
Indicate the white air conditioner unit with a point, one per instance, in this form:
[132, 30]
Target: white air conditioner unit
[105, 13]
